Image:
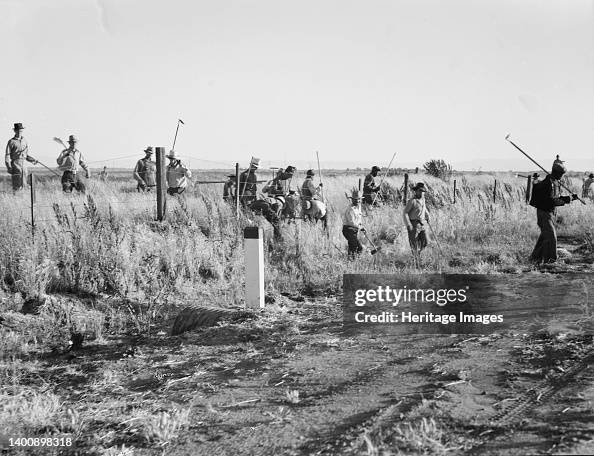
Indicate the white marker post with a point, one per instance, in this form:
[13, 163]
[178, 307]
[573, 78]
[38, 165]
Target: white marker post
[254, 266]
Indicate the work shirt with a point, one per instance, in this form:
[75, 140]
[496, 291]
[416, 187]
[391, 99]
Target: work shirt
[552, 190]
[229, 190]
[145, 171]
[308, 189]
[352, 217]
[369, 184]
[17, 149]
[177, 175]
[416, 209]
[70, 160]
[247, 183]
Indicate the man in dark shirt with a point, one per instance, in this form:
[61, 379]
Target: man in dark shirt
[545, 250]
[369, 186]
[17, 154]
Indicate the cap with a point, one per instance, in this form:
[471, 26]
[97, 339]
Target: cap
[375, 168]
[72, 139]
[310, 172]
[420, 186]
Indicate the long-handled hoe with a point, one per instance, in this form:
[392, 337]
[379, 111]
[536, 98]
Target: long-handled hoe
[375, 248]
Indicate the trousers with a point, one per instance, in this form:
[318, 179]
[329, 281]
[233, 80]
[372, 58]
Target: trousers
[545, 249]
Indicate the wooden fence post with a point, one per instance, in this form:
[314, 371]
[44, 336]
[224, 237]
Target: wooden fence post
[161, 184]
[237, 189]
[254, 266]
[405, 188]
[529, 190]
[494, 190]
[32, 183]
[454, 191]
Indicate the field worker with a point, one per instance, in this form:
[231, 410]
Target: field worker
[587, 184]
[248, 183]
[177, 175]
[415, 214]
[145, 172]
[546, 197]
[17, 154]
[229, 188]
[308, 190]
[279, 186]
[370, 187]
[352, 219]
[558, 161]
[534, 178]
[69, 162]
[103, 174]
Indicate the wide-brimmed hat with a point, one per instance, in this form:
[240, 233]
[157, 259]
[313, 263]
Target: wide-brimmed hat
[310, 172]
[18, 126]
[290, 169]
[173, 155]
[420, 186]
[255, 163]
[72, 139]
[149, 150]
[375, 168]
[559, 168]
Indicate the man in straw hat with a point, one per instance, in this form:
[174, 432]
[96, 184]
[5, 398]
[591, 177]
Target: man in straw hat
[352, 220]
[248, 183]
[69, 162]
[546, 197]
[370, 187]
[145, 172]
[17, 154]
[415, 214]
[177, 175]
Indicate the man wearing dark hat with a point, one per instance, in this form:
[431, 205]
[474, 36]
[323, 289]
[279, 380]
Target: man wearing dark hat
[351, 224]
[587, 183]
[415, 214]
[17, 154]
[145, 172]
[69, 161]
[229, 189]
[248, 183]
[308, 190]
[281, 183]
[369, 186]
[546, 196]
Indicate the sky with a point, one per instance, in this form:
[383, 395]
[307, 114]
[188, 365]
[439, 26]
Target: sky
[356, 81]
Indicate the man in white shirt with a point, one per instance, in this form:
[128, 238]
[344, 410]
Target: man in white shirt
[69, 161]
[16, 158]
[352, 219]
[177, 175]
[415, 214]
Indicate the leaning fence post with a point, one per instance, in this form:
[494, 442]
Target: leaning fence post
[32, 183]
[161, 184]
[237, 189]
[254, 266]
[494, 190]
[529, 190]
[454, 191]
[405, 187]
